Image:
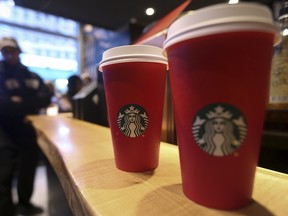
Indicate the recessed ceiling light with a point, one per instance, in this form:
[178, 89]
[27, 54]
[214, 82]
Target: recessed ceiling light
[150, 11]
[233, 1]
[88, 28]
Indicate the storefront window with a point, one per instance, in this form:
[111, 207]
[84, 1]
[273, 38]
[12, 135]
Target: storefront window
[49, 43]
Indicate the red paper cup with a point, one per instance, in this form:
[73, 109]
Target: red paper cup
[219, 61]
[134, 80]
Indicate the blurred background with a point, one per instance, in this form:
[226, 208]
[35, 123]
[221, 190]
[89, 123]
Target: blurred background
[61, 38]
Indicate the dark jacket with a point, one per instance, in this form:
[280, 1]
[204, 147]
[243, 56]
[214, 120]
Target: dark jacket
[19, 81]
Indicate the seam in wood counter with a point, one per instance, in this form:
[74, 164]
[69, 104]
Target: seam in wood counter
[81, 154]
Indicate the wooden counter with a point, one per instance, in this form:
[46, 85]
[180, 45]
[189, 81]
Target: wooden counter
[81, 154]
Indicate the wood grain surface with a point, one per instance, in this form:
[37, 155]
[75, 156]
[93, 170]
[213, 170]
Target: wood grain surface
[81, 153]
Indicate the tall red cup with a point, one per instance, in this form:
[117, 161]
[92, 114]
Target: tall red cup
[219, 61]
[134, 80]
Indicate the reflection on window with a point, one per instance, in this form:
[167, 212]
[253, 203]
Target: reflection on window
[52, 63]
[61, 85]
[40, 20]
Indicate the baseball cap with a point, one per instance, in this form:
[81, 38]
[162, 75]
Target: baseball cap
[8, 42]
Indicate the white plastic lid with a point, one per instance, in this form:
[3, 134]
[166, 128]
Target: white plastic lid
[132, 53]
[222, 18]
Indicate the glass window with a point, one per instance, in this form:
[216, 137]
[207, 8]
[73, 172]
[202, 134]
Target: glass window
[49, 43]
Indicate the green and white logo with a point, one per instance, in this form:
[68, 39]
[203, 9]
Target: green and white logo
[132, 120]
[219, 129]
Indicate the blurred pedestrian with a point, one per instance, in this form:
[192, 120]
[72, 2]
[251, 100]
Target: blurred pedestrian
[75, 84]
[22, 93]
[86, 78]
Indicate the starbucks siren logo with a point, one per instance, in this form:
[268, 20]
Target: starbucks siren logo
[132, 120]
[219, 129]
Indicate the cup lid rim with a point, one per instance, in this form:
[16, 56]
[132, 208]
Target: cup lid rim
[128, 53]
[219, 14]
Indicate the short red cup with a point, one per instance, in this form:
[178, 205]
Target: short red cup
[219, 63]
[134, 81]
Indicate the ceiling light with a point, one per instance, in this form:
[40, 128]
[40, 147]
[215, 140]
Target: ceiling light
[150, 11]
[88, 28]
[233, 1]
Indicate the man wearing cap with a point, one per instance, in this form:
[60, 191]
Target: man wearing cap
[21, 93]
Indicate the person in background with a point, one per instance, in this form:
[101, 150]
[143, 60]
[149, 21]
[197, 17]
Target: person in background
[22, 93]
[75, 84]
[65, 102]
[86, 78]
